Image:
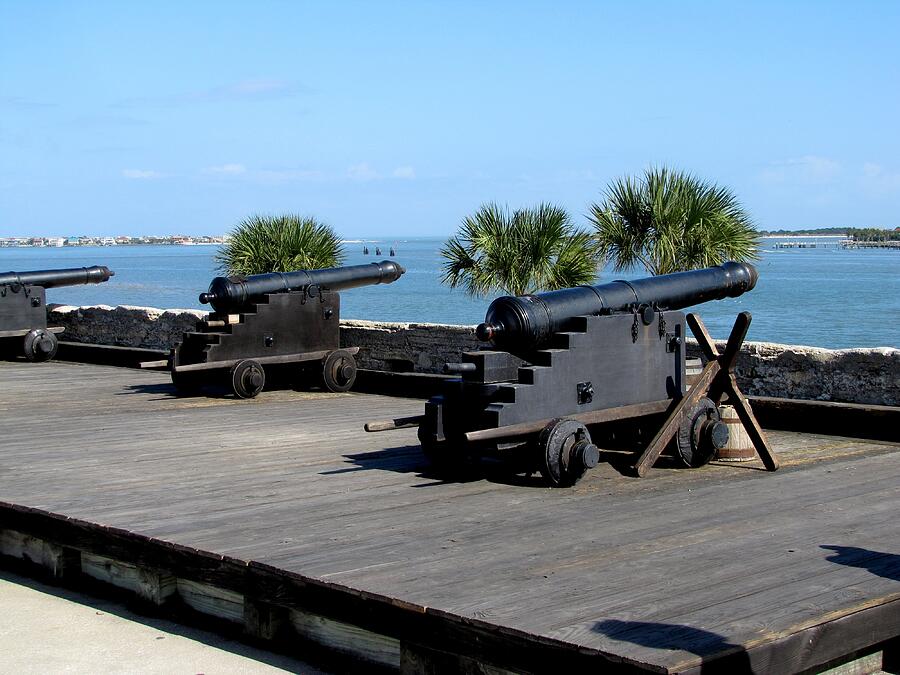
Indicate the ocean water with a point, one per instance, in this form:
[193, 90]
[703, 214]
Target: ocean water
[826, 296]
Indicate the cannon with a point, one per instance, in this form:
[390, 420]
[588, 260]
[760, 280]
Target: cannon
[271, 320]
[23, 311]
[566, 362]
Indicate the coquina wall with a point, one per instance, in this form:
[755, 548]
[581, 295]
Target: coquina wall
[764, 369]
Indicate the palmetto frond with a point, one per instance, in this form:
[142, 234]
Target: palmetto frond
[283, 243]
[669, 221]
[521, 252]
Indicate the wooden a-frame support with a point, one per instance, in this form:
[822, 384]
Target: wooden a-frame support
[716, 380]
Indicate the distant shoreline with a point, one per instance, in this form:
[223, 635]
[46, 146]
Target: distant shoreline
[801, 236]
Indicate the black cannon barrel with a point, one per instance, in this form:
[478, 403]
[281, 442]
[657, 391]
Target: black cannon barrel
[73, 276]
[528, 321]
[230, 294]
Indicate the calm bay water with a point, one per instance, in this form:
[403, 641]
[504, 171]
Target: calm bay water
[825, 297]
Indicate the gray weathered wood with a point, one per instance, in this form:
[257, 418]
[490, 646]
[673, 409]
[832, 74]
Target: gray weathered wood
[591, 417]
[663, 573]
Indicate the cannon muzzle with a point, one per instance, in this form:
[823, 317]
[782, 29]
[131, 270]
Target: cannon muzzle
[52, 278]
[231, 294]
[517, 323]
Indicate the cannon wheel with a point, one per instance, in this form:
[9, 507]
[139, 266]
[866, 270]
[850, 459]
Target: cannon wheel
[565, 452]
[39, 345]
[700, 434]
[247, 378]
[338, 370]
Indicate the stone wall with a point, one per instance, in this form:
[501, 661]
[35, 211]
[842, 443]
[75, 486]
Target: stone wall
[408, 347]
[763, 369]
[124, 325]
[791, 371]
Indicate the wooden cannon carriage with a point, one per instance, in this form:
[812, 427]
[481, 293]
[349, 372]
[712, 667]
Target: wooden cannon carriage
[274, 319]
[569, 361]
[23, 308]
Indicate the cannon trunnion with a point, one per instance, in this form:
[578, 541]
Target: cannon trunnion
[582, 368]
[23, 310]
[289, 319]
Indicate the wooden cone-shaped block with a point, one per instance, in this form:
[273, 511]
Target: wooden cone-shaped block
[739, 447]
[692, 370]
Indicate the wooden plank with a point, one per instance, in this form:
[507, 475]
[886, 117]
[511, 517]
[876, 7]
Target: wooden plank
[704, 339]
[417, 659]
[153, 586]
[497, 571]
[212, 600]
[59, 562]
[728, 357]
[751, 426]
[161, 364]
[397, 423]
[263, 620]
[591, 417]
[347, 638]
[877, 422]
[670, 427]
[227, 363]
[281, 358]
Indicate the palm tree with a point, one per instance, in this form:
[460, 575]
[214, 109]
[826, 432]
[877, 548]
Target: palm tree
[518, 253]
[283, 243]
[669, 221]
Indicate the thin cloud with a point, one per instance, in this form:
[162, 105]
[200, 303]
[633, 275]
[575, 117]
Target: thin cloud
[104, 121]
[809, 169]
[250, 89]
[876, 180]
[570, 175]
[288, 175]
[226, 169]
[243, 90]
[141, 174]
[362, 172]
[406, 172]
[25, 103]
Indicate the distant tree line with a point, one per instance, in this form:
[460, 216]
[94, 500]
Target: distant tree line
[855, 233]
[812, 231]
[873, 234]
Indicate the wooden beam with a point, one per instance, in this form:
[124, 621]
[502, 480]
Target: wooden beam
[751, 426]
[857, 420]
[396, 423]
[664, 435]
[706, 343]
[725, 382]
[162, 364]
[590, 417]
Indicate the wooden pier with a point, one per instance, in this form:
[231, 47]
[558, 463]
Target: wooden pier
[895, 245]
[278, 515]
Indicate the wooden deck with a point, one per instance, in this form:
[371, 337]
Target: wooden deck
[299, 518]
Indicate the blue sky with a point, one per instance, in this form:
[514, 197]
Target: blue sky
[401, 118]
